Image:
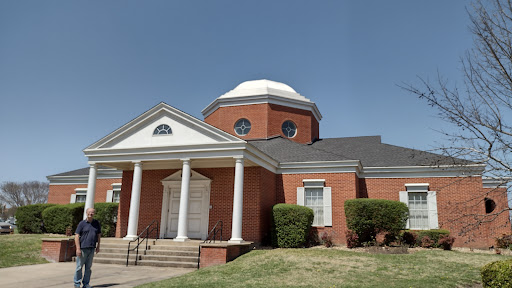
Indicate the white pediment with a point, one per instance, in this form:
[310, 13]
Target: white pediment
[186, 130]
[193, 177]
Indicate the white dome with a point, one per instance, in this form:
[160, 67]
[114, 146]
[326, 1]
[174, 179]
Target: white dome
[258, 84]
[263, 91]
[264, 87]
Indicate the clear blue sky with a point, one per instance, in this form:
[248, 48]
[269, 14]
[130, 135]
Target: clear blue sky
[71, 72]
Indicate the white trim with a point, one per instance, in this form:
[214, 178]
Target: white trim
[110, 194]
[263, 99]
[404, 198]
[432, 210]
[327, 207]
[300, 196]
[313, 180]
[417, 187]
[81, 191]
[162, 107]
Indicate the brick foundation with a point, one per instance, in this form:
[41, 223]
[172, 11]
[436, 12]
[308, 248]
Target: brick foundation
[218, 254]
[58, 249]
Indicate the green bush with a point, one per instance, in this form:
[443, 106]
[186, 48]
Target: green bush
[29, 218]
[433, 234]
[368, 217]
[58, 218]
[291, 225]
[497, 274]
[106, 213]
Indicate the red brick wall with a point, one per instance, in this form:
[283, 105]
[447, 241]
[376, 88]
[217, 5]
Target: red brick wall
[54, 250]
[220, 254]
[458, 200]
[500, 216]
[61, 194]
[266, 121]
[343, 186]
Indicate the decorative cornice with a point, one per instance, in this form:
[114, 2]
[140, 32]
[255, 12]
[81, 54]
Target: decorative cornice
[262, 99]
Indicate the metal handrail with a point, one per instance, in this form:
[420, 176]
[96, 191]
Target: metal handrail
[148, 232]
[214, 231]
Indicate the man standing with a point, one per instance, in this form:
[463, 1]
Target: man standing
[87, 234]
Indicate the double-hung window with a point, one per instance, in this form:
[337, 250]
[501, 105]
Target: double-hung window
[422, 205]
[317, 197]
[114, 195]
[79, 196]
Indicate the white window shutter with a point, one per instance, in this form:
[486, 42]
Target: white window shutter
[73, 198]
[109, 196]
[404, 199]
[300, 196]
[432, 210]
[327, 207]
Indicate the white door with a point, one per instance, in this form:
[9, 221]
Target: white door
[197, 212]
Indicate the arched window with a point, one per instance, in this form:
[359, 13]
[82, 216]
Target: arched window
[242, 127]
[289, 129]
[162, 130]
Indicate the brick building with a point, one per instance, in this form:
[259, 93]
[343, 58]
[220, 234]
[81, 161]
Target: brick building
[259, 145]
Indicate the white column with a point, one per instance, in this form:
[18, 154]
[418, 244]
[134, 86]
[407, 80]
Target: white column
[133, 219]
[91, 189]
[184, 195]
[165, 209]
[238, 201]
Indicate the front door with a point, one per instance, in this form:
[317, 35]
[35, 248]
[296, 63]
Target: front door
[197, 212]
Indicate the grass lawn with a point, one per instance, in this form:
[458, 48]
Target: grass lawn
[318, 267]
[21, 249]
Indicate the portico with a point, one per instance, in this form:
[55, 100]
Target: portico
[183, 195]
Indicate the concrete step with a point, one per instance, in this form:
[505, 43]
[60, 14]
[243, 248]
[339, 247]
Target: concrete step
[166, 264]
[116, 255]
[170, 247]
[173, 253]
[169, 258]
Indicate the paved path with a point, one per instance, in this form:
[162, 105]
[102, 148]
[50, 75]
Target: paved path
[103, 275]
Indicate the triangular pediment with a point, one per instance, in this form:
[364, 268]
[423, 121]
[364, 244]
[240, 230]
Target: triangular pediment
[177, 176]
[185, 130]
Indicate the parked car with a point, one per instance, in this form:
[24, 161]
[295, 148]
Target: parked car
[6, 228]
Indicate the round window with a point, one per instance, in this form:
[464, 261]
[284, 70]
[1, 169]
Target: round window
[289, 129]
[242, 127]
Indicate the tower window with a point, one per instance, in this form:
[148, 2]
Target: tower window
[289, 129]
[242, 127]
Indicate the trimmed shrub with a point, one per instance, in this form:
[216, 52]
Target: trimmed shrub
[368, 217]
[58, 218]
[291, 225]
[497, 274]
[426, 242]
[327, 238]
[433, 234]
[408, 238]
[504, 241]
[106, 213]
[446, 242]
[352, 239]
[29, 218]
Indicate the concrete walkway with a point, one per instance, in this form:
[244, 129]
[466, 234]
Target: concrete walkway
[103, 275]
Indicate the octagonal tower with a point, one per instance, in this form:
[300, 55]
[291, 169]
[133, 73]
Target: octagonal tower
[260, 109]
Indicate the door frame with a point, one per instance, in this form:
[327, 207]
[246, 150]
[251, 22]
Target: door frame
[174, 182]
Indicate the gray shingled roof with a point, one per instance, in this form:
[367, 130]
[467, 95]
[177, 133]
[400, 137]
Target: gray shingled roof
[79, 172]
[369, 150]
